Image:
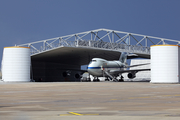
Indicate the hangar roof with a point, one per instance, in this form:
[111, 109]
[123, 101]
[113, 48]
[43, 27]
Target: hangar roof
[80, 48]
[78, 55]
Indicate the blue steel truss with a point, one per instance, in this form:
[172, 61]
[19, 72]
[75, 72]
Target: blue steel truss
[105, 39]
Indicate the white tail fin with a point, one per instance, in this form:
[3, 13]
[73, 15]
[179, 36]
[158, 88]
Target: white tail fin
[123, 57]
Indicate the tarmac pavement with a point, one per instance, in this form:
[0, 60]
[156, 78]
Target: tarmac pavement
[89, 100]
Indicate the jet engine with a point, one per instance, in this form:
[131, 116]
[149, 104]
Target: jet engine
[131, 75]
[77, 76]
[67, 73]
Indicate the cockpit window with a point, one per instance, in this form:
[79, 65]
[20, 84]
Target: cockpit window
[92, 61]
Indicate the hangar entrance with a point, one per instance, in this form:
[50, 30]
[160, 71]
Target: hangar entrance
[64, 64]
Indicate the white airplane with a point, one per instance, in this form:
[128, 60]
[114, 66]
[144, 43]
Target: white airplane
[112, 69]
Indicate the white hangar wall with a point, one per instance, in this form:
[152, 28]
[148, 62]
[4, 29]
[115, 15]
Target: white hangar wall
[165, 66]
[16, 64]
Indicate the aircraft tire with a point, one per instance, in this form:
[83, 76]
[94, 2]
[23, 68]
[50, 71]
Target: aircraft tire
[120, 80]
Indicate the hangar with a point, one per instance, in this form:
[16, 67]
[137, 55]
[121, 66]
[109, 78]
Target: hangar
[61, 58]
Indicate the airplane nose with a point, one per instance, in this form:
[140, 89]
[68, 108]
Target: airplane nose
[88, 69]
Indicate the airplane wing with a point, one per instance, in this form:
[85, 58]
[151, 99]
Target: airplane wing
[74, 70]
[137, 65]
[134, 71]
[129, 71]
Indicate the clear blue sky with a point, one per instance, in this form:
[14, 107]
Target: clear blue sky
[23, 21]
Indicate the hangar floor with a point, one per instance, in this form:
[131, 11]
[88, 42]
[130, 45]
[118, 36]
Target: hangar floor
[89, 100]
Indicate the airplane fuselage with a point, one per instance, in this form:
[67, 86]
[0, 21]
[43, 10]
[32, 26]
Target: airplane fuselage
[97, 66]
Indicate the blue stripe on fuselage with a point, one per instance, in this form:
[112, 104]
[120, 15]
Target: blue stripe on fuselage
[94, 67]
[100, 67]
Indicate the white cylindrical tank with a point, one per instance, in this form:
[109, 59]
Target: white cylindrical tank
[165, 63]
[16, 64]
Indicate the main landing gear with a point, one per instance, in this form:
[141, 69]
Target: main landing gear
[96, 79]
[121, 79]
[107, 79]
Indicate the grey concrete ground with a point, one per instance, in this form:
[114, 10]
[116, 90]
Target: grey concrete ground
[89, 100]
